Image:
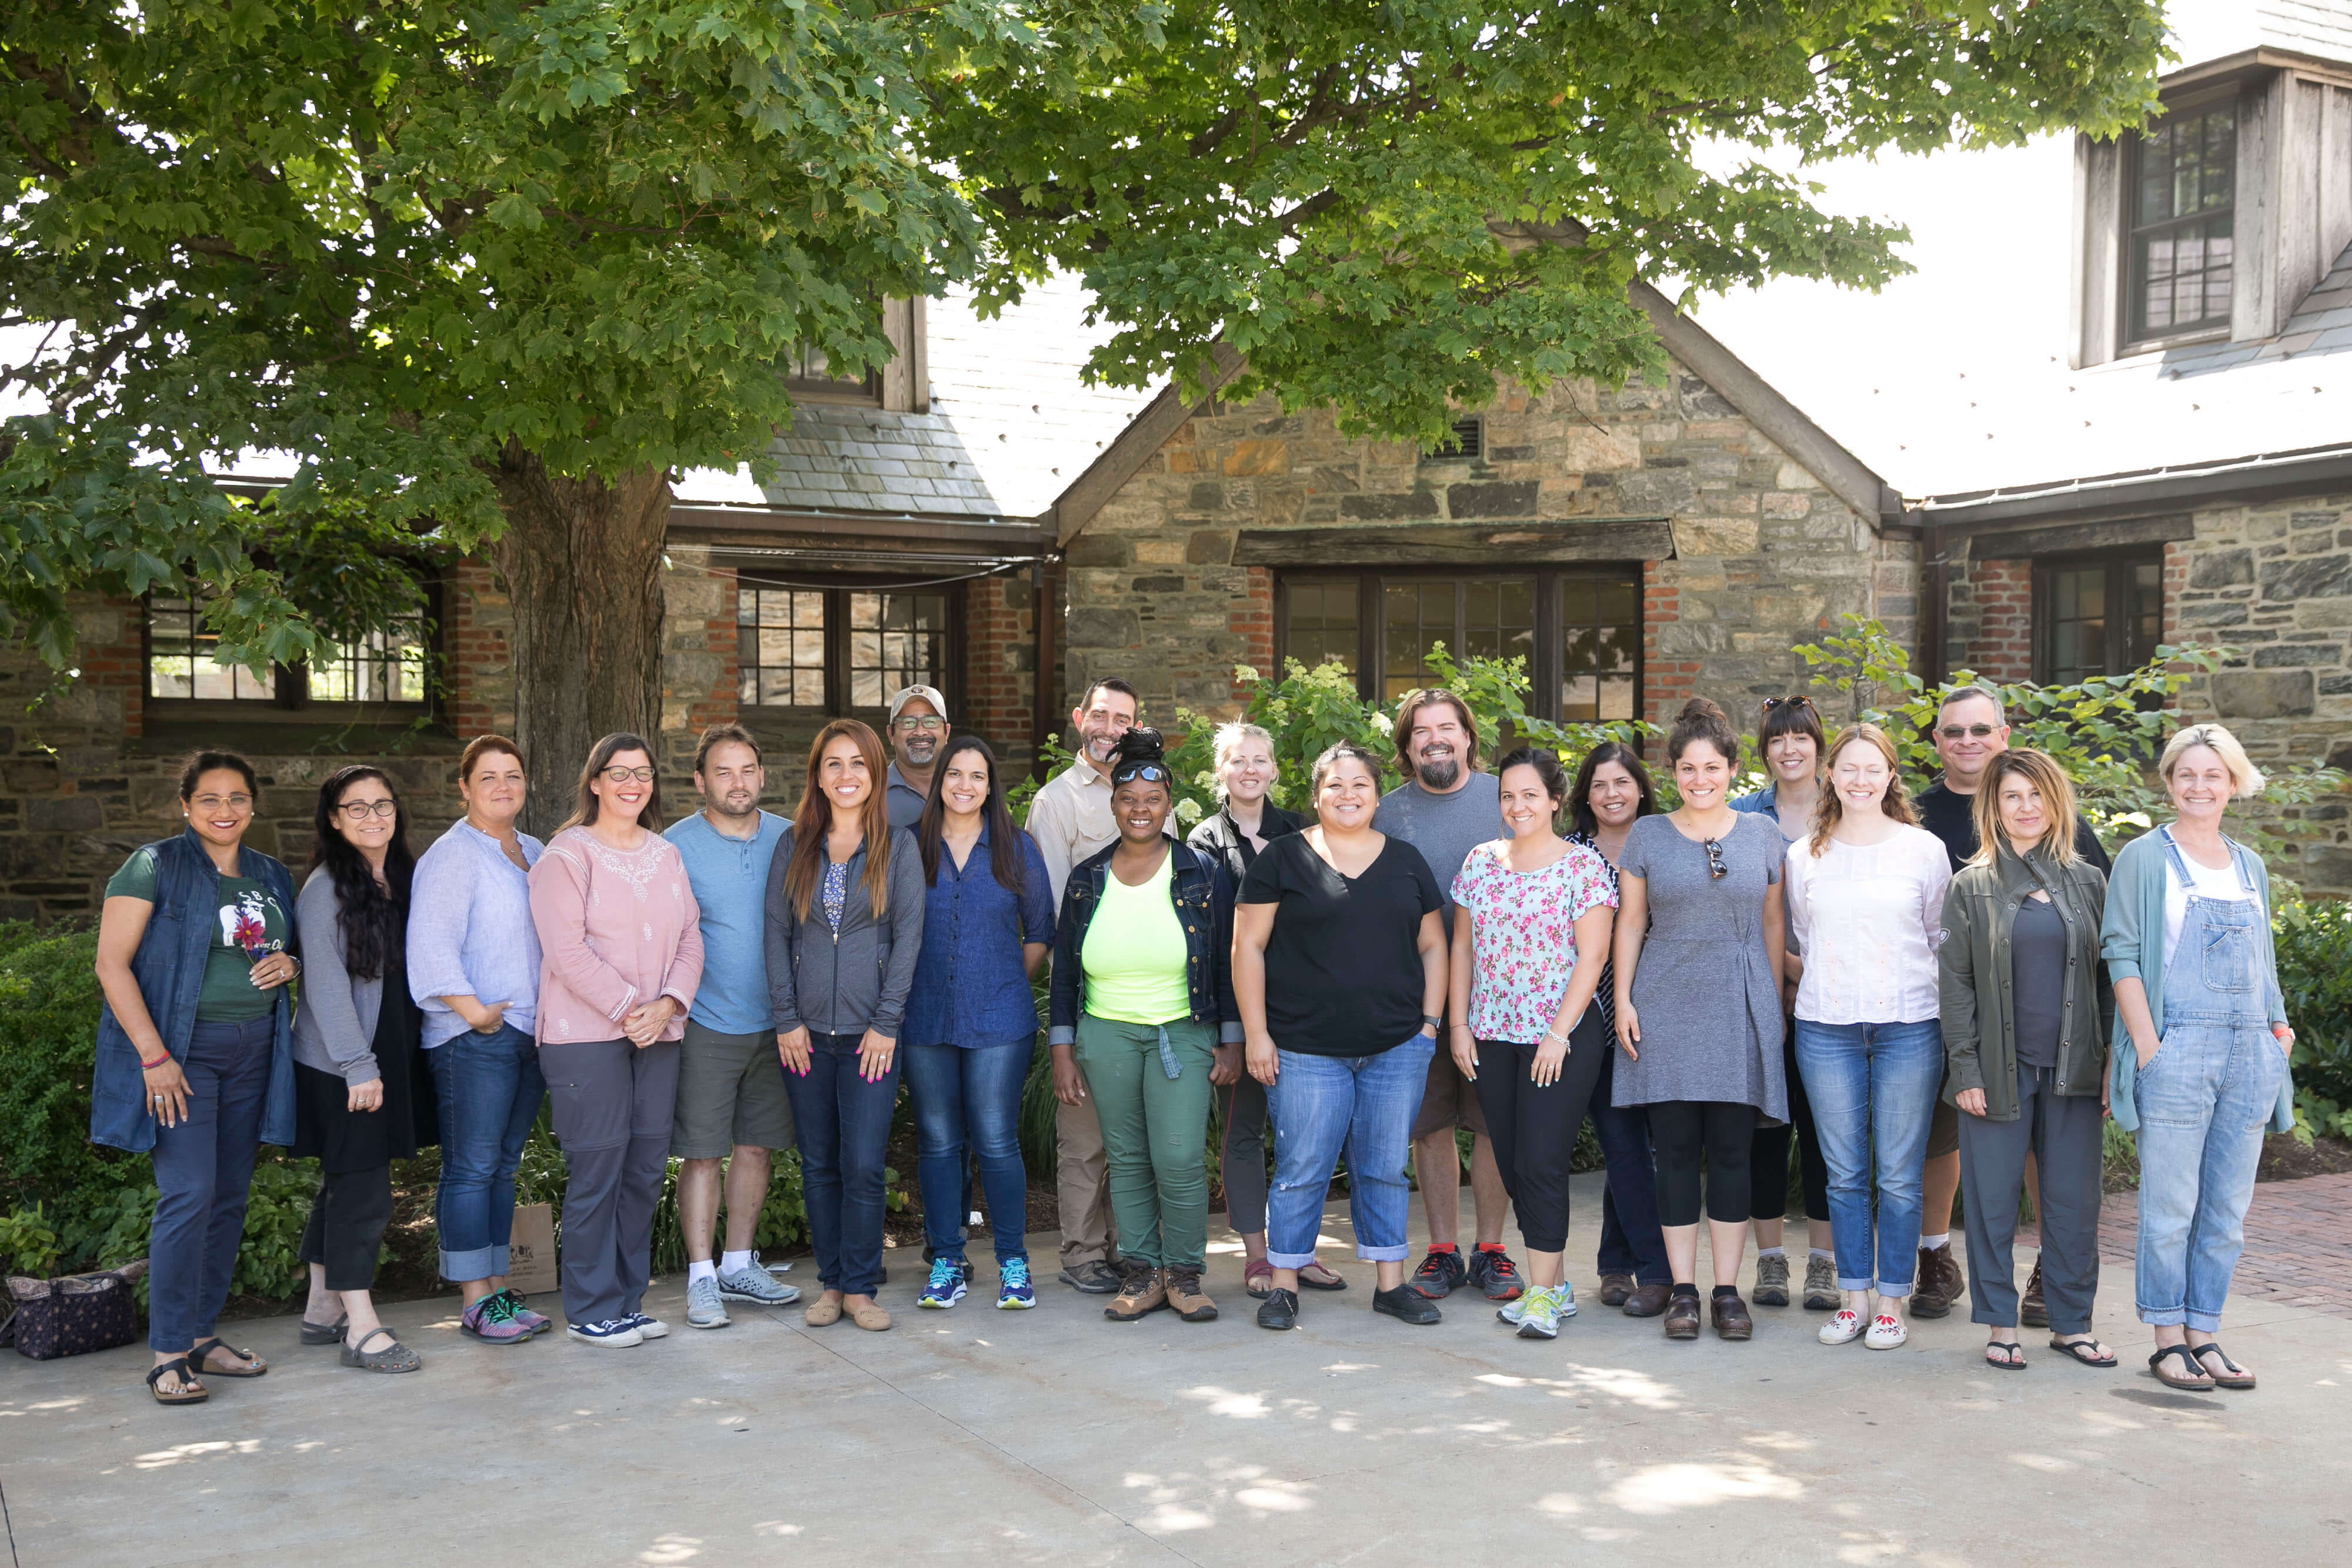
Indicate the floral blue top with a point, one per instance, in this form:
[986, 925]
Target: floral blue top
[836, 892]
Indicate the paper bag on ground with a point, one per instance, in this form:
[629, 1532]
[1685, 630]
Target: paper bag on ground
[531, 1254]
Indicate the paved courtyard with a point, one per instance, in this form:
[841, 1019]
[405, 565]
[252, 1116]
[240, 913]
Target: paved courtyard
[1053, 1436]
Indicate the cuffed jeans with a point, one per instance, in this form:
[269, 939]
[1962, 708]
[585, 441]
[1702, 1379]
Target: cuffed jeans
[2063, 1133]
[845, 1127]
[488, 1087]
[1872, 1088]
[968, 1101]
[612, 1104]
[204, 1171]
[1365, 1105]
[2204, 1099]
[1631, 1241]
[1154, 1131]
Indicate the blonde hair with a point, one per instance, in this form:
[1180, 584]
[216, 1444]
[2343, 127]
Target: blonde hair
[2245, 779]
[1228, 740]
[1829, 810]
[2041, 771]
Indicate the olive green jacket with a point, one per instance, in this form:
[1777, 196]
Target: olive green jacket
[1978, 1014]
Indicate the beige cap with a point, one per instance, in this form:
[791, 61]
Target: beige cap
[931, 694]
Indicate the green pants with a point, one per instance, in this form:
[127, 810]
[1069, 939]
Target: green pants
[1154, 1129]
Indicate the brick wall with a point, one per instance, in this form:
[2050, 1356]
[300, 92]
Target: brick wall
[1999, 641]
[1000, 675]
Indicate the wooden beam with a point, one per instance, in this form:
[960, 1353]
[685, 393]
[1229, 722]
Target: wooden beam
[1454, 544]
[1163, 417]
[2018, 544]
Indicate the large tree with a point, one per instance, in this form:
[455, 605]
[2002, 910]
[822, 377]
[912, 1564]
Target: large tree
[491, 275]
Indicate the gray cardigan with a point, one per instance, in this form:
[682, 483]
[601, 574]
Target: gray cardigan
[857, 979]
[334, 1025]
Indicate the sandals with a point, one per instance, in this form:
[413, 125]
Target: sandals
[2013, 1355]
[326, 1333]
[1257, 1279]
[2231, 1375]
[2197, 1381]
[2087, 1352]
[190, 1392]
[1316, 1276]
[203, 1352]
[394, 1357]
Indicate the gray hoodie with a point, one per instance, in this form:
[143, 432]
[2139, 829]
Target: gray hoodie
[856, 979]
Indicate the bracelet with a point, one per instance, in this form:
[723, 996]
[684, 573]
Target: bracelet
[1549, 1033]
[1462, 1026]
[147, 1066]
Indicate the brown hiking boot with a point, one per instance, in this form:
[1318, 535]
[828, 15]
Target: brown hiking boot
[1940, 1282]
[2034, 1310]
[1184, 1295]
[1142, 1290]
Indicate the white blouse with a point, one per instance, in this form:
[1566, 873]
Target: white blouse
[1868, 920]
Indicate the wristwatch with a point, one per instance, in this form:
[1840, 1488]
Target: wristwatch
[1436, 1026]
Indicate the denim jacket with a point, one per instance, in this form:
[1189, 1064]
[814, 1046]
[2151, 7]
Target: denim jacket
[1205, 903]
[169, 967]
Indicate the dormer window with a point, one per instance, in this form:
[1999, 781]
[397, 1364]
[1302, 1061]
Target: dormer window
[2182, 198]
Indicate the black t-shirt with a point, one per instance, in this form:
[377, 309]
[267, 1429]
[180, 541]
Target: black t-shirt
[2037, 973]
[1952, 818]
[1343, 972]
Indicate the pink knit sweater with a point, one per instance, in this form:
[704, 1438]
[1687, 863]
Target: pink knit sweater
[616, 931]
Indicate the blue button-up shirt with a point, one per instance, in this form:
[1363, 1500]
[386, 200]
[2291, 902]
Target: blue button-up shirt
[470, 931]
[729, 878]
[970, 987]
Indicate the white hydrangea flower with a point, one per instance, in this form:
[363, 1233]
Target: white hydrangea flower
[1188, 811]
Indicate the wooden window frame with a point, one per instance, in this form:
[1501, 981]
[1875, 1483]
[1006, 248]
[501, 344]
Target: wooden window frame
[901, 386]
[289, 700]
[2135, 147]
[838, 588]
[2119, 566]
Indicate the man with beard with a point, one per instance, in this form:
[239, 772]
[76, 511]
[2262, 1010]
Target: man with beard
[730, 1095]
[918, 727]
[1070, 818]
[1446, 808]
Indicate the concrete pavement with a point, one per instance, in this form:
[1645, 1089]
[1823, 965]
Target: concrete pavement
[1054, 1436]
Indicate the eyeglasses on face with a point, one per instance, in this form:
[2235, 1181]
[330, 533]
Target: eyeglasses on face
[926, 724]
[369, 808]
[1955, 731]
[1715, 865]
[223, 802]
[623, 775]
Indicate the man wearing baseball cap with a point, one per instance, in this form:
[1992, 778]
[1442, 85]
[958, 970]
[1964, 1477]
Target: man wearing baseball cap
[918, 727]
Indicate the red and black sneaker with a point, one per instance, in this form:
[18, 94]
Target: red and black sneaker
[1491, 1270]
[1440, 1273]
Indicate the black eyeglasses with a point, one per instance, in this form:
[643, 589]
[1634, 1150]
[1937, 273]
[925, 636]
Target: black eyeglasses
[1715, 866]
[1955, 731]
[1770, 704]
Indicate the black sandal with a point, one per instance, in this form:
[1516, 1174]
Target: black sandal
[2085, 1351]
[2008, 1347]
[325, 1334]
[197, 1356]
[2204, 1383]
[2231, 1375]
[192, 1391]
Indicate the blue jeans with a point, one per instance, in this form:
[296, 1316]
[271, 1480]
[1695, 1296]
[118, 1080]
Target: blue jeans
[1873, 1087]
[844, 1124]
[968, 1101]
[488, 1087]
[1365, 1105]
[2204, 1099]
[203, 1170]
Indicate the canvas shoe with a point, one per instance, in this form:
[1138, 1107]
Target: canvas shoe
[756, 1285]
[1015, 1290]
[1886, 1333]
[946, 1287]
[704, 1310]
[649, 1326]
[613, 1333]
[1845, 1327]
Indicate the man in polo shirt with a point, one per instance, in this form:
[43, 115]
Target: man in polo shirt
[1070, 818]
[731, 1096]
[918, 727]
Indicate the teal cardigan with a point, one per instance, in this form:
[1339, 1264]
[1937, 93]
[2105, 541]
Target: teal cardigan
[2131, 939]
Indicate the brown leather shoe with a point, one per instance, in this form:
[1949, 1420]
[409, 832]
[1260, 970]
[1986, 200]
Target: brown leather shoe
[2034, 1310]
[1142, 1290]
[1647, 1301]
[1682, 1318]
[1614, 1288]
[1184, 1295]
[1940, 1282]
[1731, 1319]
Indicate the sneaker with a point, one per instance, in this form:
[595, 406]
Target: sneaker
[1095, 1279]
[649, 1326]
[1564, 1296]
[1493, 1272]
[493, 1320]
[1886, 1333]
[1014, 1293]
[536, 1322]
[1771, 1281]
[1439, 1274]
[1822, 1294]
[1844, 1328]
[1540, 1318]
[1141, 1291]
[1512, 1311]
[1279, 1310]
[1407, 1305]
[1186, 1298]
[704, 1310]
[946, 1287]
[756, 1285]
[616, 1334]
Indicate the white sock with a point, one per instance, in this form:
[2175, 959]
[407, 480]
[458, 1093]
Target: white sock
[1771, 1251]
[706, 1269]
[731, 1262]
[1930, 1243]
[1823, 1252]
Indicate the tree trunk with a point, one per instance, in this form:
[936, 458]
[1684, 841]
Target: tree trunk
[582, 559]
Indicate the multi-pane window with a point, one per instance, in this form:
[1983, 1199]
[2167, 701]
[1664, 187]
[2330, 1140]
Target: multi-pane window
[1488, 617]
[2101, 616]
[1601, 649]
[387, 667]
[1320, 622]
[838, 650]
[781, 645]
[2181, 204]
[896, 641]
[807, 374]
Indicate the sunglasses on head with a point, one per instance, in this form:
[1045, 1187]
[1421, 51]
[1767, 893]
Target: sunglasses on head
[1149, 772]
[1773, 703]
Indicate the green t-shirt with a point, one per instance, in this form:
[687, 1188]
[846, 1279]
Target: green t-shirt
[1135, 956]
[248, 925]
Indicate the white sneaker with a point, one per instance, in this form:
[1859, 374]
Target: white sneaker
[1886, 1333]
[1566, 1304]
[614, 1333]
[1844, 1328]
[650, 1327]
[757, 1285]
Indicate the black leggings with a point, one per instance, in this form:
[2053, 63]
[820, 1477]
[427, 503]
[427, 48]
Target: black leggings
[1720, 1130]
[1534, 1129]
[346, 1227]
[1769, 1156]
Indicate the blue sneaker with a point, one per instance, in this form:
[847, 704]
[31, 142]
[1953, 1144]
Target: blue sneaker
[1014, 1293]
[946, 1287]
[613, 1332]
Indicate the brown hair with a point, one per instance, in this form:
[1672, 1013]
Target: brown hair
[482, 746]
[1004, 859]
[1829, 810]
[1701, 720]
[600, 757]
[812, 820]
[1580, 814]
[1410, 709]
[730, 734]
[2039, 770]
[1334, 754]
[1790, 715]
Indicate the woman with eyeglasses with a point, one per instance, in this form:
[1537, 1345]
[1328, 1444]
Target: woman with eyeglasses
[621, 939]
[1790, 741]
[195, 1055]
[362, 1093]
[1699, 952]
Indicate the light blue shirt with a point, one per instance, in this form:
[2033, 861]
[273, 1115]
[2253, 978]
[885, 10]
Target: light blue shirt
[470, 931]
[729, 878]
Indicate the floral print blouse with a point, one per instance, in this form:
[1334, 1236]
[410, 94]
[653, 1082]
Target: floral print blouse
[1523, 934]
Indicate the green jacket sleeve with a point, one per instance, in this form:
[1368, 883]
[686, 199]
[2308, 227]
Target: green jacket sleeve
[1957, 981]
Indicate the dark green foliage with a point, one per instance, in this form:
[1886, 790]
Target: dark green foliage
[2315, 966]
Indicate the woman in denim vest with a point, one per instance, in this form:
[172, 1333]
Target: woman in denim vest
[195, 1059]
[2200, 1048]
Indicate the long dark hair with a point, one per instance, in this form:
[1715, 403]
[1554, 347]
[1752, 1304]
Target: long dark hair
[600, 757]
[1004, 861]
[812, 820]
[1580, 794]
[369, 911]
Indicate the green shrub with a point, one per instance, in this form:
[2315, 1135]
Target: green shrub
[2315, 966]
[49, 1033]
[28, 1244]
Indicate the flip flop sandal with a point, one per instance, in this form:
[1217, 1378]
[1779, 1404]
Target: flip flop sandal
[1257, 1279]
[394, 1357]
[2231, 1375]
[2085, 1351]
[2008, 1346]
[1316, 1276]
[191, 1391]
[197, 1356]
[326, 1333]
[2201, 1384]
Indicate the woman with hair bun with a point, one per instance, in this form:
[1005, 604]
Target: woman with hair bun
[1699, 951]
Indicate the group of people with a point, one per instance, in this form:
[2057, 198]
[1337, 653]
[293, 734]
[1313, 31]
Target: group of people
[1925, 996]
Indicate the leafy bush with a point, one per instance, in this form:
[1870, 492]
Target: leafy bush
[28, 1245]
[48, 1033]
[2315, 966]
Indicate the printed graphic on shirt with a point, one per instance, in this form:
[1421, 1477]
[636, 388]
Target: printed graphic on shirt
[245, 923]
